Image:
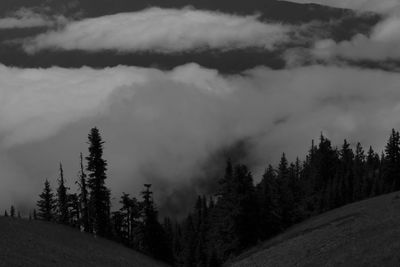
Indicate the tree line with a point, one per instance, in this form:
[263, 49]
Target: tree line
[240, 214]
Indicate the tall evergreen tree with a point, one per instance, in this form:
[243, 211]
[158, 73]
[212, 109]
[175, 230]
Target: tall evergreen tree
[99, 193]
[347, 172]
[74, 210]
[360, 181]
[268, 198]
[154, 241]
[130, 214]
[46, 203]
[391, 164]
[83, 198]
[286, 197]
[62, 199]
[373, 165]
[189, 243]
[234, 217]
[12, 211]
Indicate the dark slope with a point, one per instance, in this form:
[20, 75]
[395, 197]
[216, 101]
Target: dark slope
[36, 243]
[366, 233]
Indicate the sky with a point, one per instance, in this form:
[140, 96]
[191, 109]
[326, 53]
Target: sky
[177, 88]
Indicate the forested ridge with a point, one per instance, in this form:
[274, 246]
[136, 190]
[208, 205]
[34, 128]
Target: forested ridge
[237, 216]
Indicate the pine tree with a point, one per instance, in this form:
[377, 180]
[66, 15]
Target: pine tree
[62, 200]
[286, 197]
[74, 210]
[373, 164]
[360, 181]
[391, 163]
[130, 214]
[154, 241]
[46, 204]
[99, 193]
[201, 219]
[268, 198]
[178, 244]
[347, 173]
[223, 233]
[234, 219]
[169, 235]
[83, 198]
[5, 213]
[327, 162]
[34, 214]
[12, 211]
[189, 243]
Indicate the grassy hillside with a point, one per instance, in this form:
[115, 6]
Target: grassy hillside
[36, 243]
[366, 233]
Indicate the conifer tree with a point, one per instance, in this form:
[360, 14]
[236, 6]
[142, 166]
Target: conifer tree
[130, 214]
[235, 214]
[154, 241]
[373, 164]
[201, 219]
[83, 198]
[360, 181]
[391, 163]
[189, 243]
[74, 210]
[99, 193]
[327, 162]
[46, 203]
[223, 232]
[268, 198]
[62, 199]
[34, 214]
[169, 235]
[286, 198]
[346, 172]
[177, 244]
[12, 211]
[5, 213]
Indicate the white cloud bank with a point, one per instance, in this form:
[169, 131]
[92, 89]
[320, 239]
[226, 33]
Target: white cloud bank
[382, 44]
[167, 124]
[26, 18]
[379, 6]
[162, 30]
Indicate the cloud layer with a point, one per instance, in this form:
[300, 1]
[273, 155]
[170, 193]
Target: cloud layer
[382, 44]
[380, 6]
[162, 30]
[164, 126]
[26, 18]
